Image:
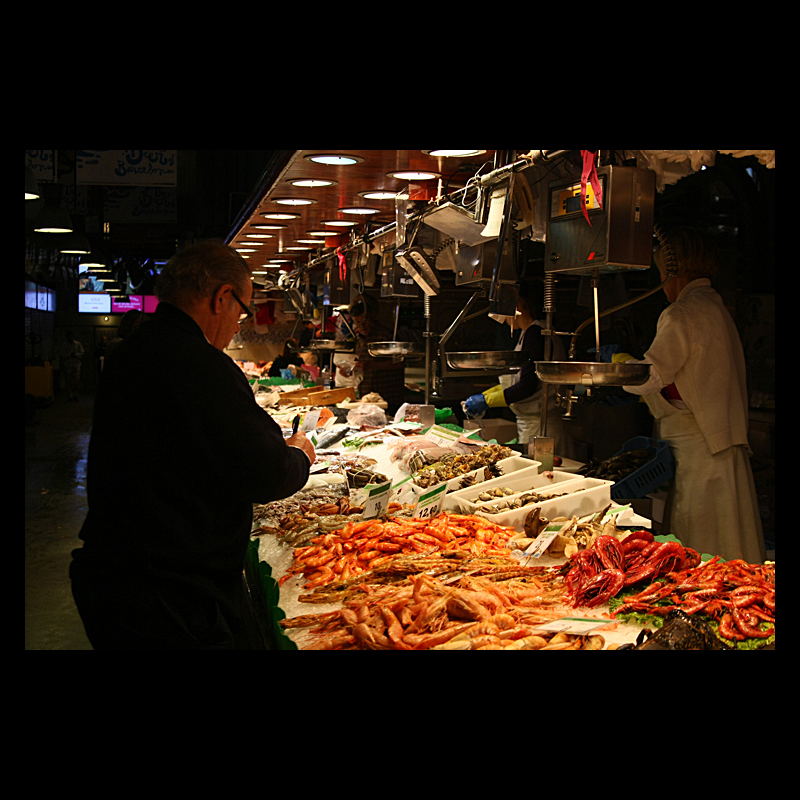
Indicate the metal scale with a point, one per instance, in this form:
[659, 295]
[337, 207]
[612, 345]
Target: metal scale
[619, 238]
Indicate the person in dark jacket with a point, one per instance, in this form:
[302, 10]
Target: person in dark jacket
[179, 452]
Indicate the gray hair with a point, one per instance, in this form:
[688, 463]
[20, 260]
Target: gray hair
[199, 270]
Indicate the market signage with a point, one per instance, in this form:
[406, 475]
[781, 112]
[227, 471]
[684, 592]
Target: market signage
[129, 167]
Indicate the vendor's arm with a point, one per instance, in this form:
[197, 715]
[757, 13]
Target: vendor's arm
[668, 353]
[527, 383]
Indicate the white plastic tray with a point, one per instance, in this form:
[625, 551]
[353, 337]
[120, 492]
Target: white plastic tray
[506, 465]
[521, 481]
[583, 496]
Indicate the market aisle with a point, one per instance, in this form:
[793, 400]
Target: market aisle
[56, 448]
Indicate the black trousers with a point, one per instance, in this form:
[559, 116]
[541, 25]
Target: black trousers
[129, 612]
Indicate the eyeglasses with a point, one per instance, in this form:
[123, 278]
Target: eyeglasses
[247, 313]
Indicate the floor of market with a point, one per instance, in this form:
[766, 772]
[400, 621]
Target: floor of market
[56, 450]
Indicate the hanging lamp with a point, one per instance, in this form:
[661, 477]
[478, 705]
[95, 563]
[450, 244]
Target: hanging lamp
[31, 187]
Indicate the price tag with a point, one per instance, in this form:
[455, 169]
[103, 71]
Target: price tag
[545, 538]
[442, 436]
[377, 500]
[430, 504]
[578, 626]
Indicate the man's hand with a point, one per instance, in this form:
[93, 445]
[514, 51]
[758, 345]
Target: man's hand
[302, 441]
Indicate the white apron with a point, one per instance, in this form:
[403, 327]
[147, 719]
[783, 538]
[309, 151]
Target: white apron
[712, 505]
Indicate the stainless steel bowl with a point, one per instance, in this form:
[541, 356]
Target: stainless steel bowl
[592, 373]
[487, 359]
[395, 350]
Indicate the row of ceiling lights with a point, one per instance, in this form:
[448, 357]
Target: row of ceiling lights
[336, 160]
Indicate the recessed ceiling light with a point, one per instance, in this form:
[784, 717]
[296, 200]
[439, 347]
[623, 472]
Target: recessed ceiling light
[358, 210]
[309, 241]
[454, 153]
[293, 201]
[414, 175]
[318, 233]
[245, 250]
[299, 248]
[339, 223]
[335, 160]
[278, 261]
[313, 182]
[378, 194]
[259, 236]
[279, 215]
[271, 227]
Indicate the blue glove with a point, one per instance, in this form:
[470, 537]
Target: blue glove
[606, 351]
[476, 405]
[287, 374]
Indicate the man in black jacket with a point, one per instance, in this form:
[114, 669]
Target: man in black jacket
[179, 453]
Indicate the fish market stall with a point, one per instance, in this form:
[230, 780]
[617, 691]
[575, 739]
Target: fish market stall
[567, 568]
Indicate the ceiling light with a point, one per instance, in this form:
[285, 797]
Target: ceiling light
[339, 223]
[278, 261]
[31, 187]
[313, 183]
[53, 219]
[270, 227]
[293, 201]
[310, 241]
[413, 175]
[454, 153]
[92, 260]
[335, 160]
[260, 272]
[279, 215]
[260, 236]
[358, 210]
[299, 248]
[245, 250]
[75, 243]
[378, 194]
[318, 233]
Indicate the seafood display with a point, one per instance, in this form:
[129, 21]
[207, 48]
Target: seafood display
[617, 467]
[451, 465]
[574, 537]
[367, 545]
[516, 499]
[739, 597]
[599, 572]
[427, 613]
[680, 632]
[461, 579]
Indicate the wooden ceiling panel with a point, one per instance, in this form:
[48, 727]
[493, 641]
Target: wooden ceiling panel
[369, 174]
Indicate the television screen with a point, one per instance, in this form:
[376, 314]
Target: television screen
[30, 294]
[132, 302]
[94, 303]
[150, 303]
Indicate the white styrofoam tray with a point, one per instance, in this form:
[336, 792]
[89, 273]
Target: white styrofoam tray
[507, 466]
[580, 498]
[521, 481]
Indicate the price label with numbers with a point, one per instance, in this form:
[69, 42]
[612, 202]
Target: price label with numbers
[377, 500]
[442, 436]
[430, 504]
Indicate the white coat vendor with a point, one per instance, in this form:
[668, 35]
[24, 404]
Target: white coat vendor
[697, 391]
[522, 392]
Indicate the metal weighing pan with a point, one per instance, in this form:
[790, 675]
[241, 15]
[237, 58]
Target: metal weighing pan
[395, 350]
[329, 346]
[592, 373]
[487, 359]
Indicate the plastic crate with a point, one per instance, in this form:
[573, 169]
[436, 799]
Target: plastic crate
[648, 477]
